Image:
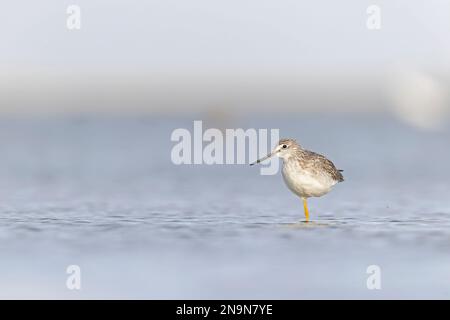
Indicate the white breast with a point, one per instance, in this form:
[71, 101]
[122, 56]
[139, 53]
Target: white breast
[306, 183]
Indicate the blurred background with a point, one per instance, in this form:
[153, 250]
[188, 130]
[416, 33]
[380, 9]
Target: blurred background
[86, 177]
[178, 57]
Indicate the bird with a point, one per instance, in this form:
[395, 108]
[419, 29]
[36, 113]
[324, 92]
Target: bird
[306, 173]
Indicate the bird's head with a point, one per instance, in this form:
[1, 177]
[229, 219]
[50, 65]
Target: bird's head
[284, 149]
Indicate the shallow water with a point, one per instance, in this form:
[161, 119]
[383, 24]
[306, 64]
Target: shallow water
[103, 194]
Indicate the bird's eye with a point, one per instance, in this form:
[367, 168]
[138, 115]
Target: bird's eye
[284, 146]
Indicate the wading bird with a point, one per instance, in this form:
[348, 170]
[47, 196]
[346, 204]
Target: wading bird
[306, 173]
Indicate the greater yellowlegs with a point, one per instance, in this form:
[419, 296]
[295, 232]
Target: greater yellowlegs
[306, 173]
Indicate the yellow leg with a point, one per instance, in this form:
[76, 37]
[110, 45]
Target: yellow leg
[305, 207]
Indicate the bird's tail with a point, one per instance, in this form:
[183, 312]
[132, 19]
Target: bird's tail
[341, 177]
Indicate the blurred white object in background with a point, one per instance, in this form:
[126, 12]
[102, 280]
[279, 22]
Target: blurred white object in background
[419, 99]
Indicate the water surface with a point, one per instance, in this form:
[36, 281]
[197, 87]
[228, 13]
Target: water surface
[103, 194]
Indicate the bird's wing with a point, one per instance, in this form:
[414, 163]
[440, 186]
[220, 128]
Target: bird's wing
[320, 162]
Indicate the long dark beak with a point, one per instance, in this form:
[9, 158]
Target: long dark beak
[262, 159]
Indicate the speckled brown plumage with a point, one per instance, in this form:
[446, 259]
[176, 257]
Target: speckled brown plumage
[313, 161]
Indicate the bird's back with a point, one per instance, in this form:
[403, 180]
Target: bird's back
[316, 162]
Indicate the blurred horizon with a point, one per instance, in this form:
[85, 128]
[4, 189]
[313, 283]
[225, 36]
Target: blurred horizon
[176, 58]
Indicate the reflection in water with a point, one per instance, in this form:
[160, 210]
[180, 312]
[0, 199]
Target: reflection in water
[307, 225]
